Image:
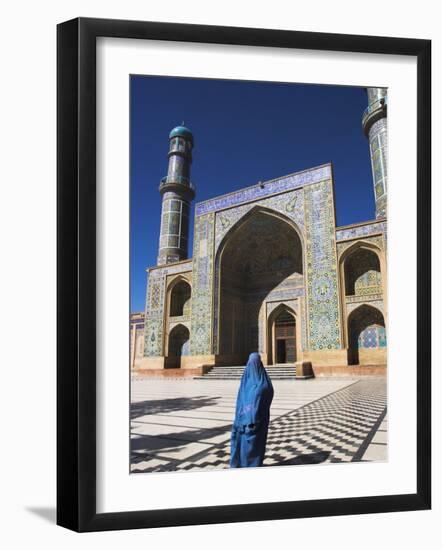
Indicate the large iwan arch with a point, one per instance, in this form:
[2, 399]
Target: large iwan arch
[259, 256]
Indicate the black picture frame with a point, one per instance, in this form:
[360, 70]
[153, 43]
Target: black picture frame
[76, 274]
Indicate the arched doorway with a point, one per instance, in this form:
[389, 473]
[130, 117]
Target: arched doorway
[178, 345]
[180, 299]
[366, 334]
[263, 254]
[284, 338]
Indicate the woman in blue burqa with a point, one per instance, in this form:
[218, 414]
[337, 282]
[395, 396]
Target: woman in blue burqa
[252, 415]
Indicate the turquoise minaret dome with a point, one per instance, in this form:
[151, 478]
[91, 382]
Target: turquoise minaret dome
[181, 131]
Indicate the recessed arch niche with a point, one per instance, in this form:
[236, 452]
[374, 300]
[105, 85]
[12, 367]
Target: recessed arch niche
[366, 333]
[178, 345]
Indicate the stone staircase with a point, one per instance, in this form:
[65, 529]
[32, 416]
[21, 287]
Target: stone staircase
[276, 372]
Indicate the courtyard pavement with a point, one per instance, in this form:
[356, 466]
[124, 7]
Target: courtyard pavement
[185, 424]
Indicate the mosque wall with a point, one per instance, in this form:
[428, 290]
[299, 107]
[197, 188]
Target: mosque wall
[316, 296]
[155, 313]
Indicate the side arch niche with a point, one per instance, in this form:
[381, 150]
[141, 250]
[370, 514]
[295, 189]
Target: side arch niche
[178, 345]
[362, 271]
[367, 336]
[179, 298]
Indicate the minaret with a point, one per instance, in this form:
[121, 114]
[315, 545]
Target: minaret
[374, 123]
[177, 192]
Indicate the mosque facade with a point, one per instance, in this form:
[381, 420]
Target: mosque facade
[270, 271]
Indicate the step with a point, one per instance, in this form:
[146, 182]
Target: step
[276, 372]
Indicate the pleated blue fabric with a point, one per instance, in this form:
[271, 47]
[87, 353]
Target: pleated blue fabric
[252, 416]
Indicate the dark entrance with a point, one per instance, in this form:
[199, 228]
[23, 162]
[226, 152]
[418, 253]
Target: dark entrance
[178, 345]
[285, 338]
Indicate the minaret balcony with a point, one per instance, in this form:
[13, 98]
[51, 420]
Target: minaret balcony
[177, 183]
[376, 110]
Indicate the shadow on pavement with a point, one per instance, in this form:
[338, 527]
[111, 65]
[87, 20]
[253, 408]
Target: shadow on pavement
[165, 442]
[161, 406]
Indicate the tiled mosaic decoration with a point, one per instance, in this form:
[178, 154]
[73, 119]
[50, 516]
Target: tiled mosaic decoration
[368, 283]
[361, 231]
[264, 189]
[153, 331]
[290, 204]
[202, 296]
[322, 283]
[353, 302]
[373, 336]
[378, 148]
[155, 303]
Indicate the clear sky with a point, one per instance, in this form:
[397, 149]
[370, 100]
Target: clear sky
[244, 132]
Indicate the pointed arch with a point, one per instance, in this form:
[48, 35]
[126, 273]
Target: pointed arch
[250, 213]
[259, 252]
[280, 308]
[179, 293]
[366, 331]
[359, 259]
[178, 345]
[366, 282]
[283, 335]
[360, 243]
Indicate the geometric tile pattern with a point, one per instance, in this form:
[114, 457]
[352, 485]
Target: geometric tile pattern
[155, 303]
[264, 189]
[290, 204]
[378, 241]
[351, 305]
[337, 427]
[322, 283]
[378, 149]
[361, 230]
[373, 337]
[202, 295]
[153, 333]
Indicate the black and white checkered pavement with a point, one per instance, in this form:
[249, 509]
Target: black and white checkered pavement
[338, 427]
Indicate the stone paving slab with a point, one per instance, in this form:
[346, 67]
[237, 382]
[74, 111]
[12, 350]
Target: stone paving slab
[185, 424]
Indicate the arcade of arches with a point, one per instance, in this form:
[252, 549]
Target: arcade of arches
[365, 326]
[260, 260]
[180, 294]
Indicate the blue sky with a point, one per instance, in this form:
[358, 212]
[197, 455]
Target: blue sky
[244, 132]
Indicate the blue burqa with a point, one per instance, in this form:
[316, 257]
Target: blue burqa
[252, 415]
